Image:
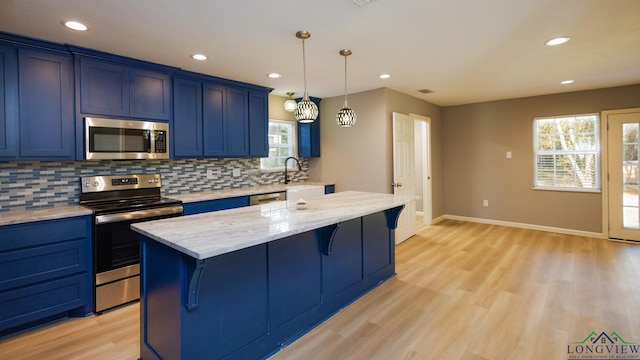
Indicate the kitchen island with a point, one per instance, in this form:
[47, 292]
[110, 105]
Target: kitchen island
[242, 283]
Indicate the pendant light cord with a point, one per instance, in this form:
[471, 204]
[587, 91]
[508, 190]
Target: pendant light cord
[345, 81]
[304, 72]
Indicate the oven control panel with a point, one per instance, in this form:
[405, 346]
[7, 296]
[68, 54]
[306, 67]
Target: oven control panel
[123, 182]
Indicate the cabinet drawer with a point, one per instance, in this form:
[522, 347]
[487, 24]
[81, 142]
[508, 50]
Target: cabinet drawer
[215, 205]
[13, 237]
[36, 302]
[29, 266]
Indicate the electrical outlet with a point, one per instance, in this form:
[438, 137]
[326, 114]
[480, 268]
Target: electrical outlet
[210, 174]
[508, 154]
[236, 172]
[485, 202]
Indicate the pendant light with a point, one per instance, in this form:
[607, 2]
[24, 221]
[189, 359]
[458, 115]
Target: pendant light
[306, 110]
[346, 117]
[290, 105]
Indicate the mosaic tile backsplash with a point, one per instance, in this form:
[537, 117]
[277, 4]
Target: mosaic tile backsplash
[30, 185]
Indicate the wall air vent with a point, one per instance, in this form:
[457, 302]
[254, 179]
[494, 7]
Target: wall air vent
[425, 91]
[362, 2]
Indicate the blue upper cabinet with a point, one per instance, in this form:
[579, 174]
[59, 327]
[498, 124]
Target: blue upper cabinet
[104, 88]
[237, 122]
[150, 94]
[46, 105]
[309, 136]
[187, 118]
[258, 124]
[214, 124]
[8, 102]
[218, 118]
[114, 89]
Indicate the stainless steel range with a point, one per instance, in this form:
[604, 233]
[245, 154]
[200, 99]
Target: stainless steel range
[117, 202]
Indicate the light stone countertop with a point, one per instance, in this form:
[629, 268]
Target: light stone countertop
[51, 213]
[246, 191]
[65, 211]
[209, 234]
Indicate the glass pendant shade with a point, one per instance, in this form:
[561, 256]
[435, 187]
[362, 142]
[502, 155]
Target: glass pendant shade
[290, 105]
[346, 117]
[306, 111]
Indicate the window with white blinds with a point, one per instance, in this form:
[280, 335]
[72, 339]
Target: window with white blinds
[567, 152]
[282, 144]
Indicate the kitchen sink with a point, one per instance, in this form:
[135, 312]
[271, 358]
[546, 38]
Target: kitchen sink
[296, 192]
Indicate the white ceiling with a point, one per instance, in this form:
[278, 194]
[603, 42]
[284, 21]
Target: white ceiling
[465, 51]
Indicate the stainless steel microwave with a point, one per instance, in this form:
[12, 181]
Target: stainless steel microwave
[125, 139]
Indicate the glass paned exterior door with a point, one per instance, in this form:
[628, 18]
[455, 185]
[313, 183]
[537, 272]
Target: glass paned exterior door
[630, 203]
[623, 185]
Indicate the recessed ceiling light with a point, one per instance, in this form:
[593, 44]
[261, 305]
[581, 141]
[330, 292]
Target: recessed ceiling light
[274, 75]
[566, 82]
[557, 41]
[74, 25]
[199, 57]
[384, 76]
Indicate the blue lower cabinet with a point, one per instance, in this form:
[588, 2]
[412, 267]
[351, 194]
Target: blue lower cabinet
[343, 270]
[377, 252]
[249, 303]
[295, 279]
[215, 205]
[46, 272]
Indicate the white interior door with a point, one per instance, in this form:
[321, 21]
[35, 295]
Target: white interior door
[423, 139]
[623, 188]
[404, 173]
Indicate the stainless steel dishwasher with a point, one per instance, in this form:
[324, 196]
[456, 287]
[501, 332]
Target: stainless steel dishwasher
[267, 198]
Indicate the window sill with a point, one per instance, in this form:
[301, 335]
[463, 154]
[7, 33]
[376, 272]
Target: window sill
[577, 190]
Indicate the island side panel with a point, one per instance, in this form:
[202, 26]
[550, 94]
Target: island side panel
[295, 278]
[378, 247]
[161, 270]
[233, 308]
[342, 268]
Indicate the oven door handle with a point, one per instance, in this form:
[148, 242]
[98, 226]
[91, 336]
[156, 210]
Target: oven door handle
[139, 214]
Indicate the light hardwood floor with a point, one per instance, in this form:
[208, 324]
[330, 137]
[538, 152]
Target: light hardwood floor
[463, 291]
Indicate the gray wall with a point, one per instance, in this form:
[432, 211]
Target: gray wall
[360, 158]
[476, 138]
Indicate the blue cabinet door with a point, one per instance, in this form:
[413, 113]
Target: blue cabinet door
[237, 122]
[8, 102]
[46, 105]
[213, 120]
[104, 88]
[187, 118]
[309, 136]
[150, 94]
[343, 267]
[114, 89]
[258, 124]
[295, 277]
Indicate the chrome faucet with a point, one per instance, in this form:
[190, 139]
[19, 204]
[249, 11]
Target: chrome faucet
[286, 177]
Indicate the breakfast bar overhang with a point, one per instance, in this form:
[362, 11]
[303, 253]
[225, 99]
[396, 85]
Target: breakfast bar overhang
[243, 283]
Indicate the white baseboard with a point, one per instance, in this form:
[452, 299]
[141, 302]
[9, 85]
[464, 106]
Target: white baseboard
[420, 213]
[438, 219]
[522, 226]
